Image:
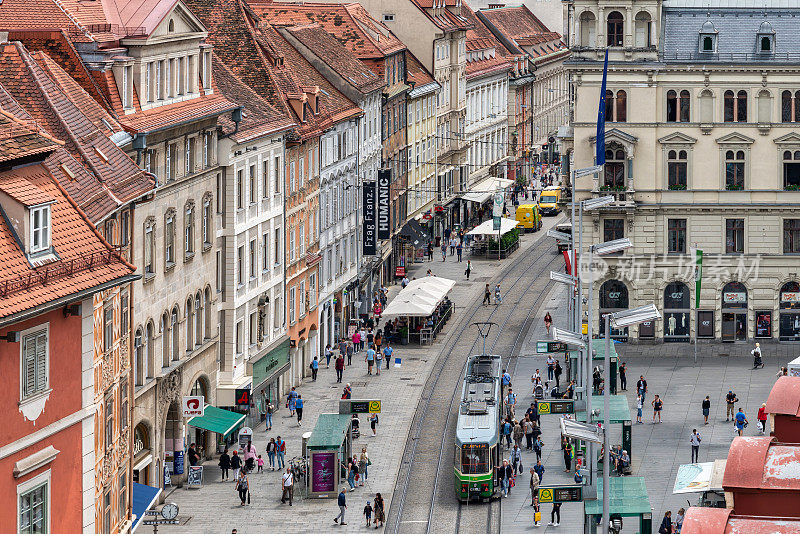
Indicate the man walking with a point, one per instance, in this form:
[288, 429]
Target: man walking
[314, 368]
[741, 421]
[299, 409]
[387, 353]
[516, 459]
[370, 359]
[487, 296]
[328, 355]
[468, 269]
[641, 387]
[287, 480]
[730, 400]
[280, 447]
[623, 380]
[534, 486]
[342, 502]
[539, 469]
[378, 360]
[551, 367]
[504, 474]
[695, 440]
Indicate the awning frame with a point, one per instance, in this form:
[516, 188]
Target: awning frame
[230, 428]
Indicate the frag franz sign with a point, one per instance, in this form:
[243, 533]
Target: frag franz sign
[370, 243]
[384, 203]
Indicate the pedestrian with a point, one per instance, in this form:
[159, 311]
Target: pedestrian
[657, 404]
[349, 349]
[363, 465]
[348, 391]
[623, 379]
[679, 521]
[487, 295]
[314, 368]
[539, 469]
[534, 486]
[268, 415]
[498, 298]
[373, 423]
[548, 321]
[342, 502]
[505, 472]
[741, 421]
[453, 245]
[339, 365]
[378, 358]
[695, 440]
[357, 339]
[287, 483]
[430, 251]
[537, 447]
[299, 409]
[387, 352]
[225, 465]
[459, 251]
[756, 353]
[243, 486]
[260, 464]
[506, 379]
[666, 524]
[566, 447]
[639, 404]
[468, 269]
[290, 401]
[516, 459]
[444, 250]
[281, 450]
[404, 282]
[271, 450]
[557, 372]
[555, 515]
[370, 359]
[551, 367]
[641, 387]
[236, 465]
[706, 406]
[328, 355]
[730, 400]
[352, 469]
[506, 429]
[527, 427]
[368, 514]
[194, 458]
[250, 456]
[378, 508]
[511, 402]
[370, 339]
[537, 512]
[762, 419]
[518, 433]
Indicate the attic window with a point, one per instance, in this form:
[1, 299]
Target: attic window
[388, 17]
[102, 156]
[40, 228]
[708, 38]
[766, 38]
[171, 27]
[68, 172]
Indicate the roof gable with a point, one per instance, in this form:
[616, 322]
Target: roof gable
[178, 21]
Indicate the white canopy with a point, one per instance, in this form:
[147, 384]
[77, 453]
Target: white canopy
[487, 227]
[483, 190]
[420, 297]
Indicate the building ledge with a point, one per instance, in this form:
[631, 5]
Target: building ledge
[36, 460]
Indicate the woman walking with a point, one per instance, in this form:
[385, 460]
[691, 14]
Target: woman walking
[658, 404]
[380, 513]
[373, 423]
[225, 465]
[548, 321]
[706, 409]
[363, 463]
[666, 524]
[243, 486]
[762, 419]
[639, 405]
[272, 448]
[469, 269]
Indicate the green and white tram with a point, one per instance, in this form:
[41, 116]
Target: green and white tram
[478, 429]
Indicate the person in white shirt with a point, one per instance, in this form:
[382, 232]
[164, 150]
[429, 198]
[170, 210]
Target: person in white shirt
[287, 482]
[695, 440]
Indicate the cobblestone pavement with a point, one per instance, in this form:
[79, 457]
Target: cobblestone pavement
[658, 449]
[215, 507]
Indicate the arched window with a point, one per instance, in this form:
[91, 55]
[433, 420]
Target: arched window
[171, 26]
[706, 101]
[173, 328]
[642, 30]
[138, 357]
[734, 170]
[622, 106]
[796, 106]
[614, 29]
[208, 309]
[787, 106]
[672, 106]
[189, 325]
[165, 346]
[741, 106]
[609, 106]
[588, 29]
[614, 169]
[676, 169]
[198, 318]
[684, 106]
[730, 104]
[150, 349]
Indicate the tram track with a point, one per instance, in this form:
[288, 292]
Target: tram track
[424, 499]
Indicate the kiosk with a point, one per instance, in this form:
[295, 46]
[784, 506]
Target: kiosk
[328, 448]
[620, 413]
[628, 499]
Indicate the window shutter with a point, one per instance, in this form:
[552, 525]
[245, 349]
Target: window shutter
[29, 357]
[41, 362]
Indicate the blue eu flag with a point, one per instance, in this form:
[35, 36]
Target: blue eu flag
[600, 144]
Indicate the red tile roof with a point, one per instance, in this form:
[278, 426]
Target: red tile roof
[443, 18]
[350, 24]
[85, 260]
[416, 71]
[479, 37]
[101, 177]
[334, 55]
[524, 29]
[22, 138]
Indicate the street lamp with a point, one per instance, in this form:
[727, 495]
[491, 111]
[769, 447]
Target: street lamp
[610, 247]
[619, 319]
[562, 278]
[569, 337]
[559, 235]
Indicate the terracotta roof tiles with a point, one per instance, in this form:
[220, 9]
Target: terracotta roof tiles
[416, 72]
[480, 38]
[524, 29]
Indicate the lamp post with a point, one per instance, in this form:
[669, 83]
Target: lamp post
[620, 319]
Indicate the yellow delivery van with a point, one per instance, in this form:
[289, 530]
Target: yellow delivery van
[529, 218]
[549, 199]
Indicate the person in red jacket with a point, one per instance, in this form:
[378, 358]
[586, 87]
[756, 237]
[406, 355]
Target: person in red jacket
[762, 419]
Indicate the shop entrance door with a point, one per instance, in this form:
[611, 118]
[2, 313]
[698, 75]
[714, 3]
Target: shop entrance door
[734, 327]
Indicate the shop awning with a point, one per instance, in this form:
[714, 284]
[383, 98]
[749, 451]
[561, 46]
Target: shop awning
[414, 233]
[483, 190]
[217, 420]
[487, 227]
[142, 498]
[420, 297]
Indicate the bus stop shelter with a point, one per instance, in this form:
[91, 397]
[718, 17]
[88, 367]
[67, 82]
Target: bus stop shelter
[628, 498]
[328, 448]
[620, 412]
[598, 357]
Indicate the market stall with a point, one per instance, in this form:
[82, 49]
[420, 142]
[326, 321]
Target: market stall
[420, 310]
[486, 238]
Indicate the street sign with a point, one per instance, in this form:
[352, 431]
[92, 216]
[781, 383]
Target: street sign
[242, 397]
[161, 522]
[152, 512]
[556, 406]
[543, 347]
[359, 406]
[193, 406]
[565, 493]
[195, 478]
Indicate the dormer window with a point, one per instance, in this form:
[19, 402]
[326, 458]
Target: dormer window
[708, 38]
[40, 228]
[765, 38]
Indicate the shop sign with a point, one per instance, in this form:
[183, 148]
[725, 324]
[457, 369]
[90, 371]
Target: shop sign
[242, 397]
[787, 296]
[177, 464]
[400, 271]
[370, 237]
[323, 472]
[734, 297]
[138, 446]
[193, 406]
[384, 205]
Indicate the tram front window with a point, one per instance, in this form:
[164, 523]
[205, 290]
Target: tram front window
[475, 458]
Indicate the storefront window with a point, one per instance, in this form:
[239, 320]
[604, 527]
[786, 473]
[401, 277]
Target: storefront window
[676, 312]
[734, 312]
[613, 298]
[789, 329]
[764, 324]
[705, 323]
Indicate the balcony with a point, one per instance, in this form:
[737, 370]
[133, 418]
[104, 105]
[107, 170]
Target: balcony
[623, 195]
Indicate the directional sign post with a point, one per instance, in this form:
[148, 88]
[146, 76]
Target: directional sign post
[161, 522]
[543, 347]
[359, 406]
[561, 493]
[556, 407]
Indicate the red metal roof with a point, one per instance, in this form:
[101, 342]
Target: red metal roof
[785, 396]
[722, 521]
[762, 463]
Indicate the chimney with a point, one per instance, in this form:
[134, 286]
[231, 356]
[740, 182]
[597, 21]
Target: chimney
[3, 35]
[496, 6]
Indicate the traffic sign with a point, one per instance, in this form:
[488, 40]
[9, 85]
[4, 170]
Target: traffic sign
[364, 406]
[556, 406]
[561, 493]
[161, 522]
[543, 347]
